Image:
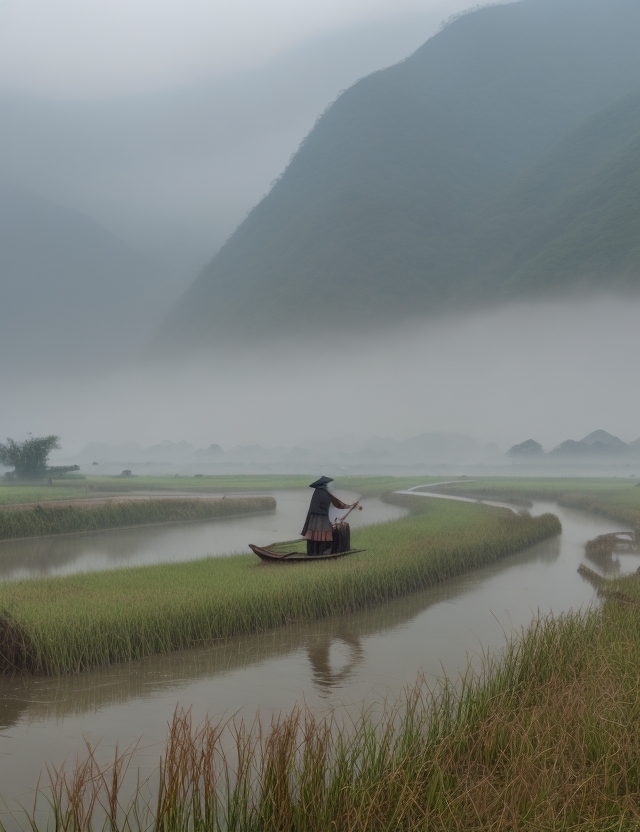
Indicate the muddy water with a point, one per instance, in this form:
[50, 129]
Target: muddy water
[45, 557]
[358, 658]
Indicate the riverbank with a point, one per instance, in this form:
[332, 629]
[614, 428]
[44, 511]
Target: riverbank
[618, 499]
[545, 737]
[88, 516]
[68, 624]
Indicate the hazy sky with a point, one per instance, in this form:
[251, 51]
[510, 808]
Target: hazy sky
[169, 117]
[167, 121]
[548, 371]
[107, 47]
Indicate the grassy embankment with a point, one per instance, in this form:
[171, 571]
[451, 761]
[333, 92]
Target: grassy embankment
[546, 738]
[47, 520]
[67, 489]
[34, 515]
[68, 624]
[618, 499]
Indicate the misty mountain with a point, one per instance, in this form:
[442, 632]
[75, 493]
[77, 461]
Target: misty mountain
[597, 446]
[437, 448]
[497, 162]
[172, 172]
[72, 292]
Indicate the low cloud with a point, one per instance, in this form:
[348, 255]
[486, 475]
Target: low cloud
[546, 371]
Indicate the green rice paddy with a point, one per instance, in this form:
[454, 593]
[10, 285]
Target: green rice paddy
[71, 489]
[616, 498]
[79, 517]
[544, 738]
[63, 625]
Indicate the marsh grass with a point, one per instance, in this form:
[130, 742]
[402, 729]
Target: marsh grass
[48, 520]
[62, 625]
[617, 499]
[545, 737]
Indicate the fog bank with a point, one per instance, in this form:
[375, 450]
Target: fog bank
[543, 371]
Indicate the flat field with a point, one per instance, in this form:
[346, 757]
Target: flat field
[85, 516]
[67, 624]
[616, 498]
[70, 489]
[545, 738]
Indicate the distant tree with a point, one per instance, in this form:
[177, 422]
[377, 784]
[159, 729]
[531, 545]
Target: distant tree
[29, 458]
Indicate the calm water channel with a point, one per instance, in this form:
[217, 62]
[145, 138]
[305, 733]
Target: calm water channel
[340, 661]
[45, 557]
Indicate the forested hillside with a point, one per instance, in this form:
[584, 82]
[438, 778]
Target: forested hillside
[496, 162]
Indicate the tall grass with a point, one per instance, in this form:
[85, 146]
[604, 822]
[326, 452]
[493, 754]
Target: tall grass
[623, 505]
[46, 520]
[614, 498]
[62, 625]
[544, 738]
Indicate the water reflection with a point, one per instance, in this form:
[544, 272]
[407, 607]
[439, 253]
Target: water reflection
[45, 557]
[326, 670]
[608, 564]
[322, 642]
[353, 660]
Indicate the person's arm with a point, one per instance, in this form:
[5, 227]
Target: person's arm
[338, 503]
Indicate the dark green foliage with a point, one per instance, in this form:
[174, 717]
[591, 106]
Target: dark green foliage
[498, 161]
[573, 220]
[29, 458]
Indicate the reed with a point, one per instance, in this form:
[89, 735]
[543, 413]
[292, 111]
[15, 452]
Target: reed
[545, 737]
[62, 625]
[623, 506]
[84, 517]
[616, 498]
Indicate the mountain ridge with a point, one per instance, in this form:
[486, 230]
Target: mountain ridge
[367, 222]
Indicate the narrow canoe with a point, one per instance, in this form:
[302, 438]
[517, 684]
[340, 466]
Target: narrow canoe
[296, 557]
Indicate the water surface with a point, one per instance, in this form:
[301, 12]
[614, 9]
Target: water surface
[46, 557]
[342, 661]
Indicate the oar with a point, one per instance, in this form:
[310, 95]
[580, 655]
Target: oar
[355, 505]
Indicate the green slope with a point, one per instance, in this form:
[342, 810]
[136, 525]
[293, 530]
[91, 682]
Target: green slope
[372, 219]
[573, 221]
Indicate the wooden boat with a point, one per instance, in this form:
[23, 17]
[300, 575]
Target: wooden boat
[271, 556]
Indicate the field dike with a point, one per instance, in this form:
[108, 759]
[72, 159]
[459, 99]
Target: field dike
[118, 513]
[613, 498]
[65, 625]
[624, 507]
[544, 738]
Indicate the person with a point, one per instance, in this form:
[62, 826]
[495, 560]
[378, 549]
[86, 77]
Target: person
[317, 528]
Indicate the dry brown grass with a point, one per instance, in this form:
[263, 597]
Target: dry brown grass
[547, 738]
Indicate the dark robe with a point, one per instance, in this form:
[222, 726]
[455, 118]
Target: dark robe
[317, 526]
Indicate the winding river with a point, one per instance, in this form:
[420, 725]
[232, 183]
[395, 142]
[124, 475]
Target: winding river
[343, 661]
